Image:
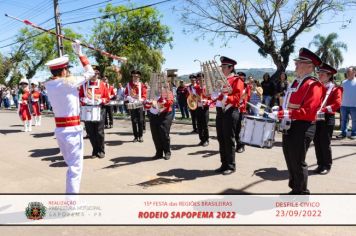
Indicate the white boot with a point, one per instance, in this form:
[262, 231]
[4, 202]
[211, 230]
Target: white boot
[39, 120]
[29, 125]
[25, 129]
[36, 120]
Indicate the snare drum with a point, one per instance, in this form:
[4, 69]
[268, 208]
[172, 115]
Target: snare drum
[90, 113]
[258, 131]
[134, 105]
[113, 103]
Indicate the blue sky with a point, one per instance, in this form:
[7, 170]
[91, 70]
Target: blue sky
[185, 47]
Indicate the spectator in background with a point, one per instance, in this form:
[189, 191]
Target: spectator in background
[182, 94]
[120, 97]
[268, 90]
[6, 97]
[256, 97]
[1, 92]
[281, 88]
[15, 95]
[348, 105]
[174, 90]
[44, 98]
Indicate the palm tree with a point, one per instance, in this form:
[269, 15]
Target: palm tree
[328, 50]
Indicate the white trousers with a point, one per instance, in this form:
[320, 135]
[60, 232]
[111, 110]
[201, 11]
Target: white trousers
[70, 142]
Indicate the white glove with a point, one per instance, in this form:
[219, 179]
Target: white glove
[275, 108]
[87, 101]
[215, 95]
[163, 101]
[77, 48]
[154, 111]
[273, 115]
[98, 101]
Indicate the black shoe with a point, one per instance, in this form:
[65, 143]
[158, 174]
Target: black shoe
[240, 149]
[228, 172]
[135, 140]
[101, 155]
[110, 126]
[140, 139]
[86, 137]
[106, 127]
[318, 170]
[294, 192]
[324, 171]
[167, 156]
[157, 156]
[205, 144]
[194, 132]
[200, 144]
[220, 169]
[341, 136]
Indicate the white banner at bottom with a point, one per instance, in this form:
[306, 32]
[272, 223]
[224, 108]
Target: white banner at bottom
[177, 210]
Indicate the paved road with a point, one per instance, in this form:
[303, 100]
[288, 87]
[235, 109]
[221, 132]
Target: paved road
[31, 163]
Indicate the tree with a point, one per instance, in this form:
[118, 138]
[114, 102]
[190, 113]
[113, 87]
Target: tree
[273, 25]
[328, 50]
[35, 51]
[135, 34]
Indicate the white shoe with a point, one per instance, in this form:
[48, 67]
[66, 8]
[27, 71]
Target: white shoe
[29, 125]
[25, 129]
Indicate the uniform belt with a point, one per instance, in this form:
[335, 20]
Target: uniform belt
[67, 121]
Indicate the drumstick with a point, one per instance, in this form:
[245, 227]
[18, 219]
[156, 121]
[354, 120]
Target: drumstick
[252, 105]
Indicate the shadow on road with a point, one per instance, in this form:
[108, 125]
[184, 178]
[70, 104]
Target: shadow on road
[126, 161]
[205, 153]
[122, 133]
[43, 135]
[44, 152]
[116, 142]
[184, 174]
[183, 133]
[272, 174]
[176, 147]
[158, 181]
[9, 131]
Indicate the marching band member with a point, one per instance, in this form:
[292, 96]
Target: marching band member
[325, 125]
[109, 107]
[202, 112]
[35, 100]
[24, 109]
[192, 91]
[227, 116]
[246, 94]
[160, 123]
[298, 115]
[64, 97]
[135, 94]
[95, 93]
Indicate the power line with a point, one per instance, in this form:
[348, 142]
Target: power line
[108, 15]
[81, 8]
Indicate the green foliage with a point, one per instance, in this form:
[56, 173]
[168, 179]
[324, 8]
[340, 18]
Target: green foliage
[329, 50]
[35, 51]
[137, 35]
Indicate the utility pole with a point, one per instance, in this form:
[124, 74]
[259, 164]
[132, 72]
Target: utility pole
[60, 47]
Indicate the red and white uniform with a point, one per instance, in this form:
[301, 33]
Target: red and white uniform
[111, 91]
[94, 89]
[232, 99]
[204, 101]
[64, 97]
[333, 102]
[306, 100]
[246, 94]
[24, 110]
[36, 103]
[135, 92]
